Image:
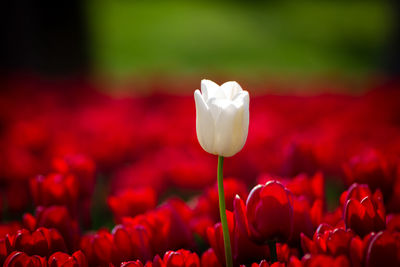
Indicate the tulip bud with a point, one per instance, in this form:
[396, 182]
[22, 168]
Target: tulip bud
[268, 213]
[222, 117]
[364, 212]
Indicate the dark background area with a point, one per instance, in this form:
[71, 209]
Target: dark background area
[44, 37]
[253, 40]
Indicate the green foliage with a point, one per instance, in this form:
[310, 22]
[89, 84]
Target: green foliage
[295, 38]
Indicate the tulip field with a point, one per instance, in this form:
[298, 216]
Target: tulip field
[89, 178]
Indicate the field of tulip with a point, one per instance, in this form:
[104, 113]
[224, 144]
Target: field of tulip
[90, 179]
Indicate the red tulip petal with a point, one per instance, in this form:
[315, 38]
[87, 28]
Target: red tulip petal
[80, 258]
[240, 215]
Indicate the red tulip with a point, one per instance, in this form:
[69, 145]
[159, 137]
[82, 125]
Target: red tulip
[21, 259]
[364, 217]
[167, 225]
[60, 259]
[328, 240]
[58, 217]
[364, 212]
[384, 250]
[268, 213]
[99, 248]
[56, 189]
[357, 191]
[132, 242]
[181, 258]
[41, 242]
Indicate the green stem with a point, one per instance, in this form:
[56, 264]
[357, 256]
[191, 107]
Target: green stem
[272, 249]
[222, 212]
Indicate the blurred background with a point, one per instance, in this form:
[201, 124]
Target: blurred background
[123, 45]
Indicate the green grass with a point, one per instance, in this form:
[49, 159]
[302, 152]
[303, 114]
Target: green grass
[281, 38]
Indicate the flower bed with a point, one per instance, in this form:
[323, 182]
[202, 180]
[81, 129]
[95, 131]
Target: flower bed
[93, 180]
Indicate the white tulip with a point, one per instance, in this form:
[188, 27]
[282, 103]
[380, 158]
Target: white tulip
[222, 117]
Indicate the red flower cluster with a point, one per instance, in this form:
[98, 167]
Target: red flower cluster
[88, 179]
[57, 259]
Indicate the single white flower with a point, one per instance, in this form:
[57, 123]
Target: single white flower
[222, 117]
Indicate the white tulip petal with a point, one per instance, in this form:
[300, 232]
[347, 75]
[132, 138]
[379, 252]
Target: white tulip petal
[210, 89]
[227, 129]
[242, 98]
[231, 89]
[216, 106]
[204, 122]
